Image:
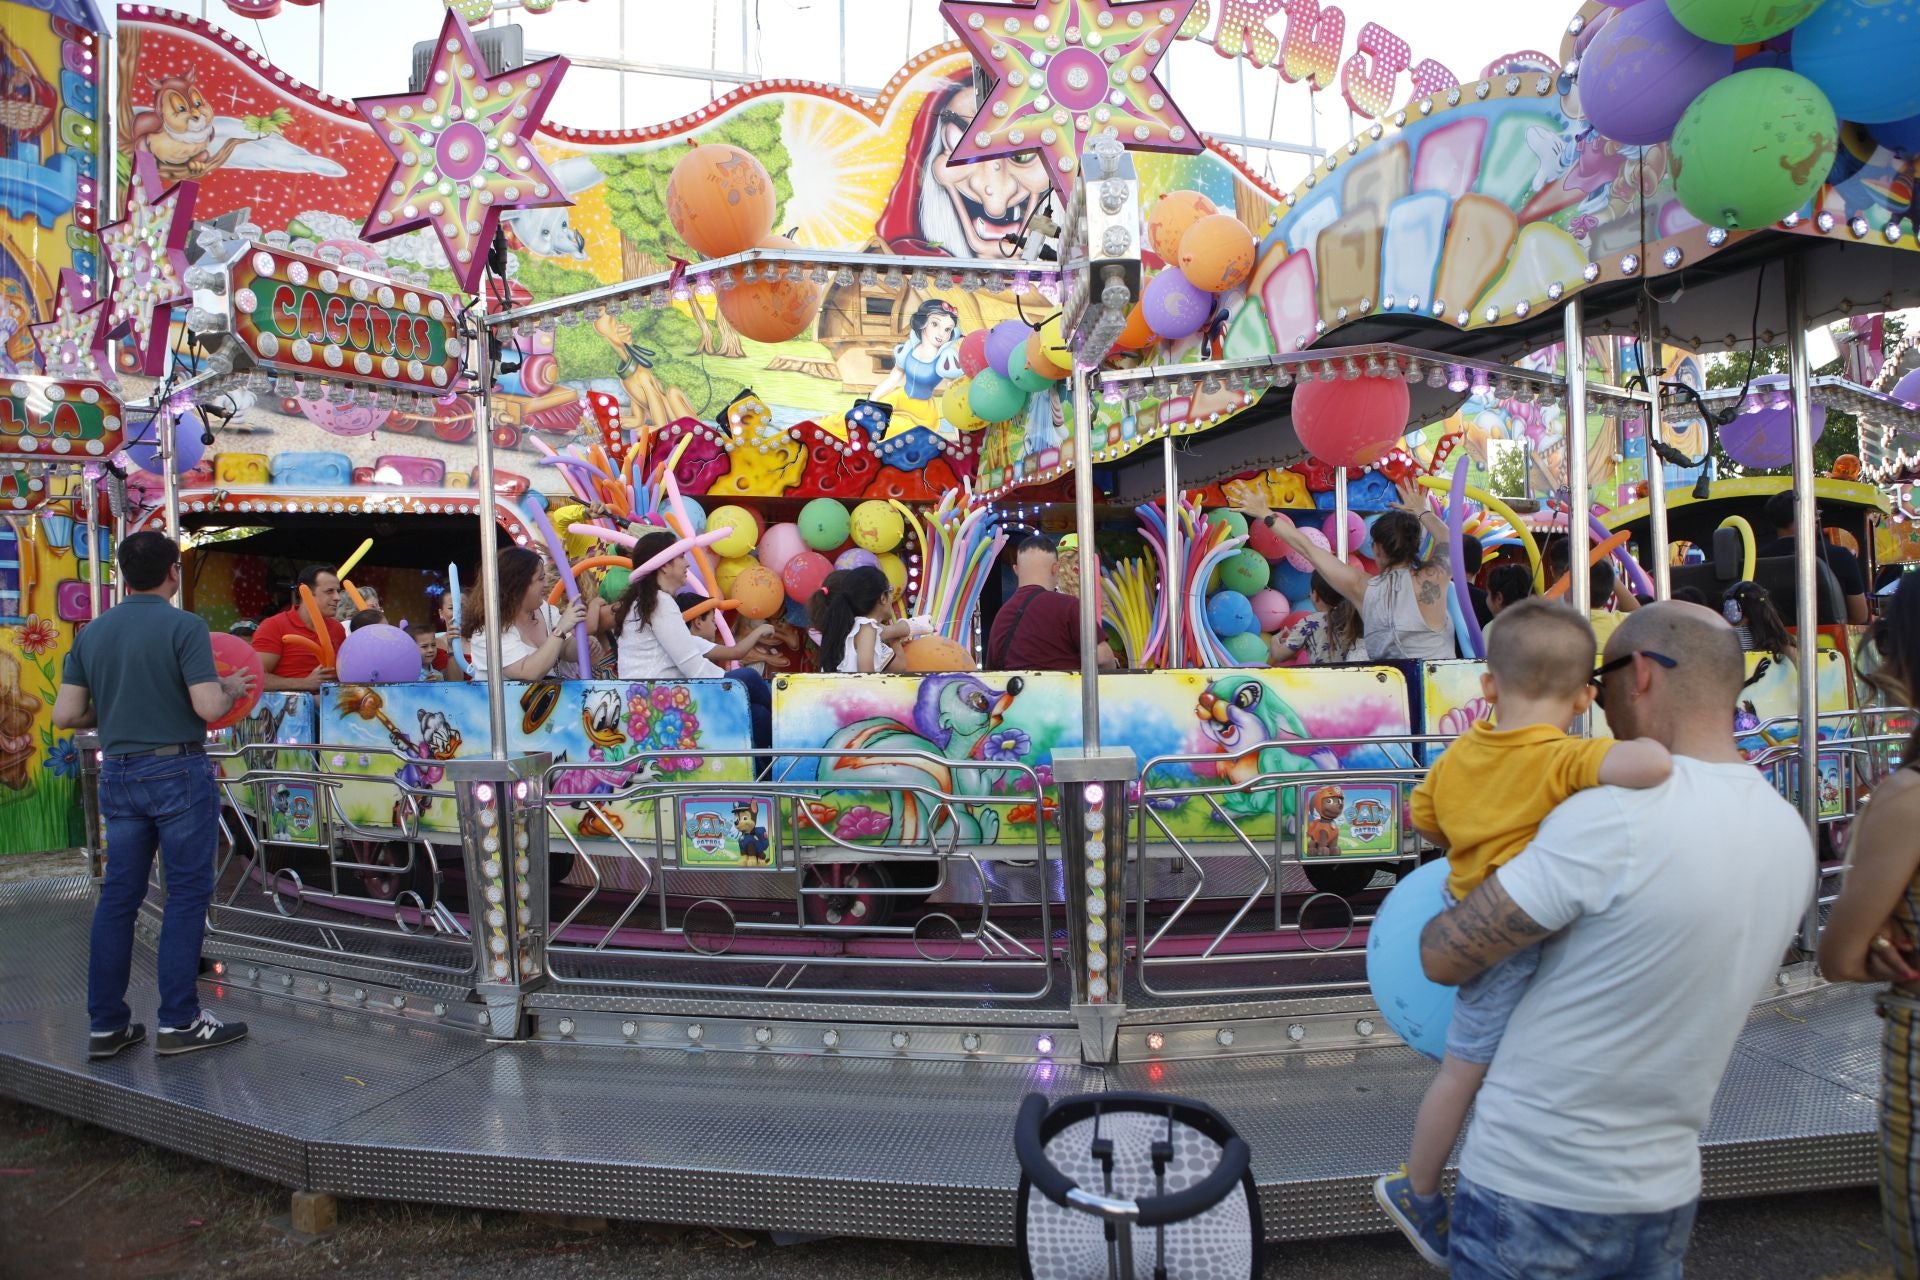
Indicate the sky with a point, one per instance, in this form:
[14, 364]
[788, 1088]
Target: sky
[355, 47]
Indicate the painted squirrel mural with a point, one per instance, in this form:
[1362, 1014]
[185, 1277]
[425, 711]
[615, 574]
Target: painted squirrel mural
[1238, 714]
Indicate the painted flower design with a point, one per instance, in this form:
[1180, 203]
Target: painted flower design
[682, 699]
[667, 728]
[38, 635]
[1005, 744]
[1582, 226]
[63, 760]
[663, 697]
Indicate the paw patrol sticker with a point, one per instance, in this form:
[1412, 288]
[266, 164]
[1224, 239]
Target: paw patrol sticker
[726, 832]
[1351, 820]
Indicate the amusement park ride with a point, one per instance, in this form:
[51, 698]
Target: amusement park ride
[578, 911]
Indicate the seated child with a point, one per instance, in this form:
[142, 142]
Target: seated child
[1482, 802]
[429, 652]
[365, 618]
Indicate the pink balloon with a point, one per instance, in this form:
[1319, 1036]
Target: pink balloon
[679, 548]
[1349, 424]
[1298, 559]
[973, 352]
[779, 544]
[1267, 541]
[1271, 609]
[804, 574]
[1356, 531]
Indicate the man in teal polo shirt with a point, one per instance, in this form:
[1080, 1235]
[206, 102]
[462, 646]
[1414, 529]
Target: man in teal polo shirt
[143, 673]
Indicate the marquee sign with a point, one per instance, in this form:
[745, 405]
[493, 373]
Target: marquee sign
[54, 419]
[1309, 48]
[308, 317]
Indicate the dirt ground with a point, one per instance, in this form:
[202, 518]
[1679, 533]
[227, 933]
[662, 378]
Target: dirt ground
[80, 1201]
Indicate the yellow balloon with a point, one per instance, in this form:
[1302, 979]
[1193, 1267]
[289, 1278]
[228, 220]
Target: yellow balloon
[957, 408]
[746, 531]
[895, 568]
[876, 526]
[728, 570]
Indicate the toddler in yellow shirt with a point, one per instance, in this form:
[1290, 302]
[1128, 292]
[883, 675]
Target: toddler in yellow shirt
[1482, 802]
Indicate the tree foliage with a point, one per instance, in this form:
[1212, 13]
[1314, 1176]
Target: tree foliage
[1842, 434]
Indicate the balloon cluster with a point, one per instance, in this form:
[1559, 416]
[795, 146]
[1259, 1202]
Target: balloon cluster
[768, 568]
[1752, 93]
[1207, 252]
[1003, 368]
[1255, 586]
[720, 200]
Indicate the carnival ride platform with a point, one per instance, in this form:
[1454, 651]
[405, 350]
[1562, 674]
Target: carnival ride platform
[357, 1097]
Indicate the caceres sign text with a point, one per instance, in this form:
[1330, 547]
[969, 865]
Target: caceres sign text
[301, 315]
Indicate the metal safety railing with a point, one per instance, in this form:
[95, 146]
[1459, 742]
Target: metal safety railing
[318, 883]
[649, 918]
[1232, 914]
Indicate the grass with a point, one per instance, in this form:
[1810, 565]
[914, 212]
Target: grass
[45, 816]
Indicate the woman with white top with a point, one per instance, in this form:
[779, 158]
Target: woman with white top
[536, 638]
[654, 642]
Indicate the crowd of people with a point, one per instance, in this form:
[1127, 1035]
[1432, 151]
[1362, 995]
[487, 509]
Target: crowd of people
[1570, 921]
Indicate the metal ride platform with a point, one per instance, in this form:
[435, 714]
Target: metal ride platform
[376, 1091]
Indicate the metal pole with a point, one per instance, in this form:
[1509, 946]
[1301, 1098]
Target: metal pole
[169, 474]
[1656, 469]
[1578, 502]
[1176, 647]
[1341, 542]
[1089, 570]
[94, 606]
[1806, 619]
[489, 547]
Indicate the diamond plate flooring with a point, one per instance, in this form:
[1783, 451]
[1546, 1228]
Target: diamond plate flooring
[364, 1104]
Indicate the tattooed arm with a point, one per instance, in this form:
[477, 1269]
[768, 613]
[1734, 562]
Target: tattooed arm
[1464, 942]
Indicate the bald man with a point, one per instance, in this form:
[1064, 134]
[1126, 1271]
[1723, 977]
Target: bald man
[1664, 913]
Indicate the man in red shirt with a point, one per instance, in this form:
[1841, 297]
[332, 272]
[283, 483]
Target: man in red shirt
[294, 667]
[1038, 628]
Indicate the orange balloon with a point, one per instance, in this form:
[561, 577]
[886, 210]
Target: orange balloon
[760, 592]
[772, 311]
[1040, 360]
[1846, 467]
[720, 199]
[937, 653]
[1176, 211]
[1137, 333]
[1216, 253]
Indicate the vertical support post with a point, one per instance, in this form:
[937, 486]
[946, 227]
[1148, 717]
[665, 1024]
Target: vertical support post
[1089, 561]
[1094, 823]
[1176, 645]
[1806, 619]
[169, 474]
[1656, 469]
[503, 839]
[95, 594]
[1341, 539]
[86, 744]
[482, 364]
[1579, 502]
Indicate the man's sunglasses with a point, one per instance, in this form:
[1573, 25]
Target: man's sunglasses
[1605, 669]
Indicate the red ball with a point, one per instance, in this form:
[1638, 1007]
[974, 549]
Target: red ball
[973, 352]
[804, 573]
[1350, 422]
[1266, 539]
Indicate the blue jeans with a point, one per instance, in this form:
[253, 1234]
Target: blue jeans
[1497, 1237]
[759, 713]
[149, 803]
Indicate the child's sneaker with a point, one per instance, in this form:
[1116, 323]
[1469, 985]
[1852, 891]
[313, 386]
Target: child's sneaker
[105, 1044]
[1423, 1220]
[205, 1032]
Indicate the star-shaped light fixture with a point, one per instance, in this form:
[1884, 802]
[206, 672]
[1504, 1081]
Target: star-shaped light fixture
[147, 261]
[463, 150]
[1067, 71]
[73, 344]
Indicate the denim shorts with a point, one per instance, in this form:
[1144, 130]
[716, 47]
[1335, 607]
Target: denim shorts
[1484, 1004]
[1500, 1237]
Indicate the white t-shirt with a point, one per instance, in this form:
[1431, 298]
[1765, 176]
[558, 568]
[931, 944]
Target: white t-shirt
[513, 647]
[663, 648]
[1677, 904]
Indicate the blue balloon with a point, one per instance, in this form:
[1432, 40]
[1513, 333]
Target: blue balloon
[1415, 1006]
[1231, 614]
[1861, 53]
[1901, 135]
[697, 515]
[797, 614]
[1291, 582]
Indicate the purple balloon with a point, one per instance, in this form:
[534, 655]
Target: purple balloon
[1002, 341]
[1908, 388]
[1173, 307]
[1761, 434]
[857, 558]
[1642, 72]
[144, 450]
[378, 654]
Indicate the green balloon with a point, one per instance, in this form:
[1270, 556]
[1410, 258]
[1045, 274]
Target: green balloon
[613, 584]
[1022, 374]
[994, 398]
[824, 524]
[1740, 21]
[1231, 518]
[1753, 148]
[1245, 571]
[1248, 648]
